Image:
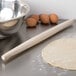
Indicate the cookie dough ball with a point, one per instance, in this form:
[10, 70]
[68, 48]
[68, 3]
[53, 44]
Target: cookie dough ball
[44, 18]
[31, 22]
[36, 17]
[53, 18]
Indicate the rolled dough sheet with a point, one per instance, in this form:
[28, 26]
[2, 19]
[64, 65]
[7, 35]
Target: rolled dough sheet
[61, 53]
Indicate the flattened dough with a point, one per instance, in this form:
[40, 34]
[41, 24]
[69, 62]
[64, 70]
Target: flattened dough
[61, 53]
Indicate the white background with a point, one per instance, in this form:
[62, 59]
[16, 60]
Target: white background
[64, 8]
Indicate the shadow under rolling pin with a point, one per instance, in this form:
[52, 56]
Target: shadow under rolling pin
[35, 40]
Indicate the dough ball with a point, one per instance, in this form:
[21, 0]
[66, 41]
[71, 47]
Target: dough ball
[31, 22]
[61, 53]
[44, 18]
[35, 17]
[53, 18]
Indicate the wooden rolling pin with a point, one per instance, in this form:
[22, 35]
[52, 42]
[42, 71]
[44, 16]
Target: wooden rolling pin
[35, 40]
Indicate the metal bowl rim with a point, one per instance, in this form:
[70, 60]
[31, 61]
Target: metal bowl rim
[26, 6]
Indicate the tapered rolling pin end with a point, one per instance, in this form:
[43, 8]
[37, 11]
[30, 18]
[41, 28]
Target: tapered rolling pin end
[3, 58]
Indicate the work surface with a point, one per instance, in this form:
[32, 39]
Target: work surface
[30, 62]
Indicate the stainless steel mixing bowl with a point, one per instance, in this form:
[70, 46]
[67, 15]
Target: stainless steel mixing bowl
[12, 14]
